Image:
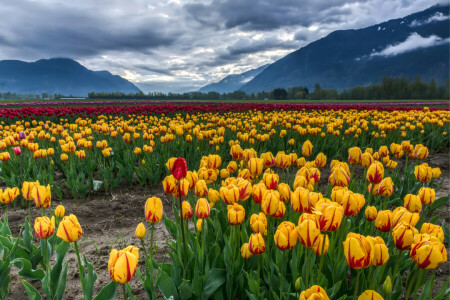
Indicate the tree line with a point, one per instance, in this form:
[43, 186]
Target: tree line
[388, 89]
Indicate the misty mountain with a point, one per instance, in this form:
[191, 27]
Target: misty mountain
[232, 83]
[58, 76]
[416, 45]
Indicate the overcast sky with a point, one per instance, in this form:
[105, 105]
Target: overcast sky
[180, 45]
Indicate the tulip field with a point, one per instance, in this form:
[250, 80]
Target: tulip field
[224, 201]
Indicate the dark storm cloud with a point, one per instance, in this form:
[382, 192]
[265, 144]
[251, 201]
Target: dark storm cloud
[265, 14]
[55, 30]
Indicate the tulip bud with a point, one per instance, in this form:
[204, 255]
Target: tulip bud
[69, 229]
[270, 202]
[387, 285]
[60, 211]
[44, 227]
[371, 213]
[245, 251]
[153, 210]
[202, 209]
[140, 231]
[307, 148]
[256, 244]
[122, 265]
[297, 284]
[286, 236]
[199, 225]
[186, 210]
[17, 151]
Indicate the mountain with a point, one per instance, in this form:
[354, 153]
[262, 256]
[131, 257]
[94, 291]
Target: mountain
[58, 76]
[232, 83]
[416, 45]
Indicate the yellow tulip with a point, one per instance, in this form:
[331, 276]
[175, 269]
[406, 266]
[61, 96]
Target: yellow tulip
[229, 194]
[319, 248]
[357, 251]
[122, 264]
[213, 195]
[384, 220]
[285, 192]
[370, 295]
[8, 195]
[403, 235]
[433, 230]
[153, 210]
[270, 202]
[307, 148]
[258, 191]
[41, 196]
[258, 223]
[69, 229]
[412, 203]
[245, 251]
[427, 195]
[375, 173]
[308, 231]
[140, 231]
[44, 227]
[256, 244]
[401, 214]
[202, 209]
[270, 180]
[235, 214]
[187, 211]
[60, 211]
[199, 225]
[370, 213]
[379, 250]
[286, 236]
[169, 184]
[201, 190]
[314, 293]
[428, 254]
[354, 156]
[436, 172]
[352, 203]
[423, 172]
[321, 160]
[27, 187]
[329, 215]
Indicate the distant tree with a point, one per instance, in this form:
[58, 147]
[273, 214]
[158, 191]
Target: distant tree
[280, 94]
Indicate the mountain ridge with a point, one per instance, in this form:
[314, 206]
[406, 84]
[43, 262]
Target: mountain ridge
[58, 76]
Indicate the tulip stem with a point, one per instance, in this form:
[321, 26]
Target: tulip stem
[124, 291]
[281, 274]
[419, 281]
[307, 267]
[151, 242]
[29, 212]
[182, 229]
[259, 274]
[355, 293]
[6, 214]
[77, 252]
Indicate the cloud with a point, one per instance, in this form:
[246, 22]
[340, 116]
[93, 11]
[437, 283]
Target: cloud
[180, 45]
[413, 42]
[437, 17]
